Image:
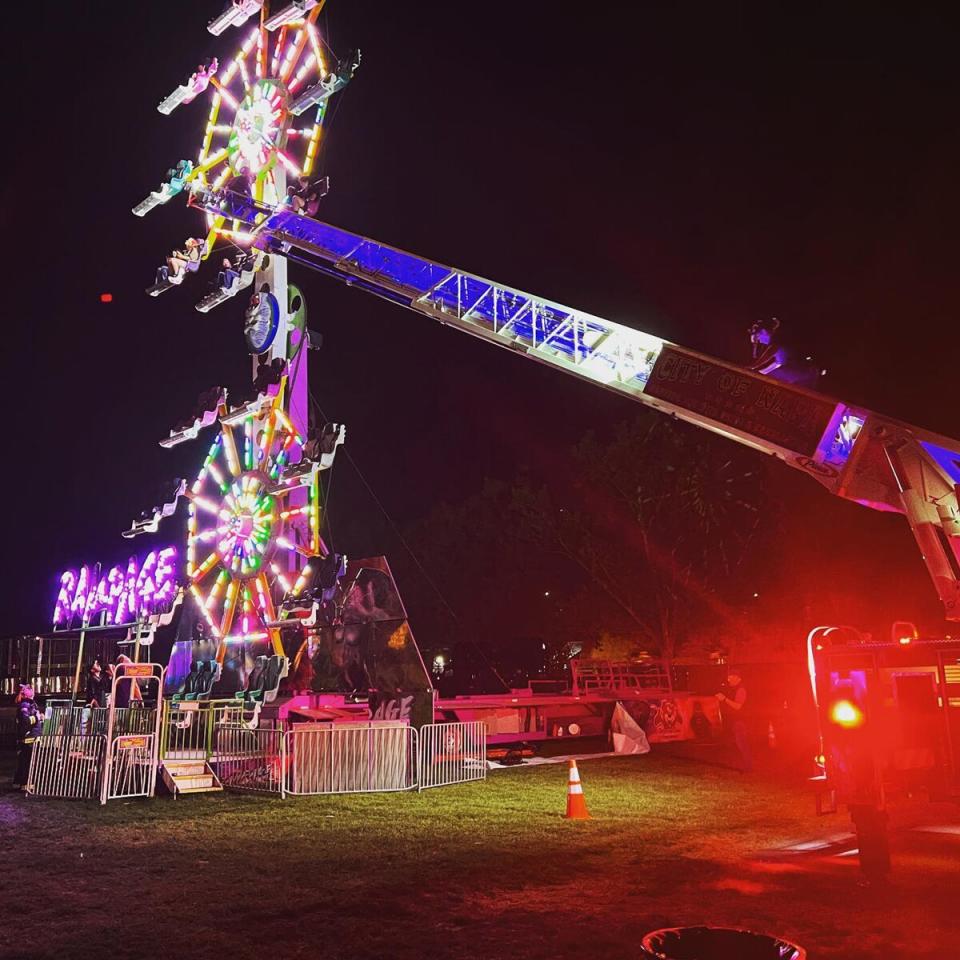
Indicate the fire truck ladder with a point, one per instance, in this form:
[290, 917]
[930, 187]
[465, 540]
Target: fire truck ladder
[855, 453]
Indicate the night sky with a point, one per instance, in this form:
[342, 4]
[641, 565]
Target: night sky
[676, 167]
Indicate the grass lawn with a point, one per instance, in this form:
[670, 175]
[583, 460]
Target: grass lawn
[482, 870]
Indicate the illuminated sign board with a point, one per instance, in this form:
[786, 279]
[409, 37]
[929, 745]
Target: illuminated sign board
[122, 595]
[748, 402]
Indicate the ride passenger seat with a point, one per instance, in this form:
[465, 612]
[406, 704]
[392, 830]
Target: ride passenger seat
[254, 689]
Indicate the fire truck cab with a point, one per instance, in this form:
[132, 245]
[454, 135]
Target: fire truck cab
[889, 713]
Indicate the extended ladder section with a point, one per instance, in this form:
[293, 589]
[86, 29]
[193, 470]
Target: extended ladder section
[855, 453]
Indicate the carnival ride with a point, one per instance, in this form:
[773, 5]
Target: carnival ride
[254, 510]
[253, 519]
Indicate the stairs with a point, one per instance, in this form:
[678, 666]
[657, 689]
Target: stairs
[189, 776]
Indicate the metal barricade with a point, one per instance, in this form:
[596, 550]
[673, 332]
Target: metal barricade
[249, 759]
[373, 757]
[452, 753]
[190, 726]
[131, 767]
[186, 731]
[232, 713]
[130, 720]
[67, 767]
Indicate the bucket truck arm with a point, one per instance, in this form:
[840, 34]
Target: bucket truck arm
[855, 453]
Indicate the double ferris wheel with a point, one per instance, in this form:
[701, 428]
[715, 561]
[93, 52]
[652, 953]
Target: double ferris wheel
[254, 513]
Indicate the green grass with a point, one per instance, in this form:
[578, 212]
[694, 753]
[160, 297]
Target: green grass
[481, 870]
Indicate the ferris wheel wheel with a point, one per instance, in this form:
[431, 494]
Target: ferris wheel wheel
[247, 518]
[267, 106]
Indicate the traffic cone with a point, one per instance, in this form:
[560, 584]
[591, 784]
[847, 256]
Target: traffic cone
[576, 805]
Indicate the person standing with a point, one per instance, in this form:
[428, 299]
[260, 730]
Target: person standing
[29, 726]
[734, 711]
[126, 690]
[96, 691]
[94, 696]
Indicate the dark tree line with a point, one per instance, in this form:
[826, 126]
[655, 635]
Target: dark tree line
[635, 544]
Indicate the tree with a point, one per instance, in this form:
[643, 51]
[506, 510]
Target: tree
[658, 520]
[629, 550]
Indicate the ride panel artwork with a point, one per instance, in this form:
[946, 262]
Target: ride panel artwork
[366, 646]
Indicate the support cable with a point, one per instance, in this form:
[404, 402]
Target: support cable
[409, 549]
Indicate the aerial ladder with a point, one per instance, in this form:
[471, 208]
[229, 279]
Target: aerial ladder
[853, 452]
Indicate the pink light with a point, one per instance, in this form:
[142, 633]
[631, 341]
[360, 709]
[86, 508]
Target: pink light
[228, 96]
[120, 594]
[245, 638]
[146, 587]
[79, 604]
[288, 163]
[68, 587]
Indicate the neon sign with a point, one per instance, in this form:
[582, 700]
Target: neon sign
[122, 595]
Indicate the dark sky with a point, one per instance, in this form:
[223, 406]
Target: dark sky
[685, 168]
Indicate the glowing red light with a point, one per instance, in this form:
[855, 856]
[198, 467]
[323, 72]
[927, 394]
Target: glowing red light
[846, 714]
[106, 298]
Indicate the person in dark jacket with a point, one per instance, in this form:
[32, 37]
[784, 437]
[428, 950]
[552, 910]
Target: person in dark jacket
[735, 713]
[29, 725]
[97, 686]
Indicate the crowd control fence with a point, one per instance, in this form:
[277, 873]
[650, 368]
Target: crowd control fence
[68, 766]
[73, 760]
[452, 753]
[249, 759]
[374, 757]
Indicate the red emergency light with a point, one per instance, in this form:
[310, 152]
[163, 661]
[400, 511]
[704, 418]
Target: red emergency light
[847, 714]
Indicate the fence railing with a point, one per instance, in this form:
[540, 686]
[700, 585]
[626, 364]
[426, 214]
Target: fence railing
[308, 760]
[616, 676]
[131, 767]
[372, 757]
[248, 759]
[186, 731]
[452, 753]
[67, 767]
[92, 721]
[189, 727]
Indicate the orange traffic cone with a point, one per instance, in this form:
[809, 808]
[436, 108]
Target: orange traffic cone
[576, 805]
